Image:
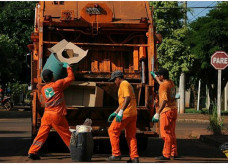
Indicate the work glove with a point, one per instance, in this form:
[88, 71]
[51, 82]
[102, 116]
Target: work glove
[65, 65]
[112, 116]
[119, 116]
[153, 74]
[177, 96]
[155, 118]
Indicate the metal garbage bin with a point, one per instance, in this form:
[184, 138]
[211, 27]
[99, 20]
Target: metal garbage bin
[81, 146]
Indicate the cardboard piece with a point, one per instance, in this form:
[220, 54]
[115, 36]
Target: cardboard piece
[68, 52]
[84, 94]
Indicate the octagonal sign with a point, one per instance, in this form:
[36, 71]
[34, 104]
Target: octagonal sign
[219, 60]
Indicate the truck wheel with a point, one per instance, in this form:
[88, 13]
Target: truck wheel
[102, 146]
[142, 143]
[54, 143]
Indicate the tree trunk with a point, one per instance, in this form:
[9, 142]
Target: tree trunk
[194, 95]
[213, 99]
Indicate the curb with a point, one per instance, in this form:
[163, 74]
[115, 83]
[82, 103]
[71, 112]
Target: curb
[214, 140]
[193, 120]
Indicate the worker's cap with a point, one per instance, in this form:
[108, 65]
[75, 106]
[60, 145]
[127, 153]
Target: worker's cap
[115, 75]
[162, 71]
[47, 75]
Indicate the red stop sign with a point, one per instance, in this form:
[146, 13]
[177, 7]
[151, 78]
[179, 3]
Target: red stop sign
[219, 60]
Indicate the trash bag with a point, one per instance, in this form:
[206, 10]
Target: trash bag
[224, 148]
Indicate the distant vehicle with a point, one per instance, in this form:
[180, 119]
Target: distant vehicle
[6, 103]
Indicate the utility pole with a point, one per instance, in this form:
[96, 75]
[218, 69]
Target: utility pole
[185, 13]
[182, 77]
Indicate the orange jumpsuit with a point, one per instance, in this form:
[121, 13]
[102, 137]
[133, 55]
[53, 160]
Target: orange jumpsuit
[168, 118]
[128, 122]
[55, 112]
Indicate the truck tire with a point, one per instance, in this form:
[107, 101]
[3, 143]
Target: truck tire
[142, 143]
[54, 143]
[102, 146]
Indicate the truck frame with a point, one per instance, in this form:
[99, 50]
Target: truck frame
[120, 36]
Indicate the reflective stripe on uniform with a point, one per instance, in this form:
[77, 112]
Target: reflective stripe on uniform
[38, 143]
[54, 103]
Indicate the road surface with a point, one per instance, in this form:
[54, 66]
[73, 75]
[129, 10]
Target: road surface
[15, 132]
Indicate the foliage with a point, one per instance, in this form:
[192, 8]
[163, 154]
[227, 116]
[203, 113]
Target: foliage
[17, 89]
[16, 24]
[167, 17]
[7, 53]
[17, 18]
[193, 110]
[206, 36]
[173, 53]
[216, 125]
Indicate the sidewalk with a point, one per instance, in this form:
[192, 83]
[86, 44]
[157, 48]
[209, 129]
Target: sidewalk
[197, 128]
[198, 117]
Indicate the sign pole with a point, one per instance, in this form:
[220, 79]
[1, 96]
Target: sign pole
[219, 60]
[219, 94]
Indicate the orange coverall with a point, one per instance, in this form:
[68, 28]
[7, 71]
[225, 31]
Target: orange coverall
[54, 114]
[128, 122]
[168, 118]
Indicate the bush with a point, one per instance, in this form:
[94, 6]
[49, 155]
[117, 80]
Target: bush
[193, 110]
[216, 125]
[16, 90]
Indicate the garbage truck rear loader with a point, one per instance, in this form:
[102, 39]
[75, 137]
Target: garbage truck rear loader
[119, 36]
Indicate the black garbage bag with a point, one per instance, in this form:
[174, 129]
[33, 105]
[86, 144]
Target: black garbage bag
[224, 148]
[81, 146]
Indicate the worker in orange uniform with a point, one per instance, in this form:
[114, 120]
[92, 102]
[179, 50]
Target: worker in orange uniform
[55, 111]
[168, 114]
[124, 117]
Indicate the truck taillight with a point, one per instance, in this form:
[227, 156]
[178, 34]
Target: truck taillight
[158, 38]
[30, 47]
[143, 20]
[35, 37]
[96, 5]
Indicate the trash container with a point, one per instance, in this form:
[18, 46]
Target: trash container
[81, 146]
[55, 66]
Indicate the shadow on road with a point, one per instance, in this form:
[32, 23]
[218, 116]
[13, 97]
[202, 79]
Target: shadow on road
[14, 146]
[203, 160]
[185, 147]
[12, 132]
[14, 114]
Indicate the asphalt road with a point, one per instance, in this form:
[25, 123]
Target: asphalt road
[15, 132]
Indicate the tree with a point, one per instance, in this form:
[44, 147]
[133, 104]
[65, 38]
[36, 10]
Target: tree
[207, 35]
[173, 54]
[9, 64]
[16, 25]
